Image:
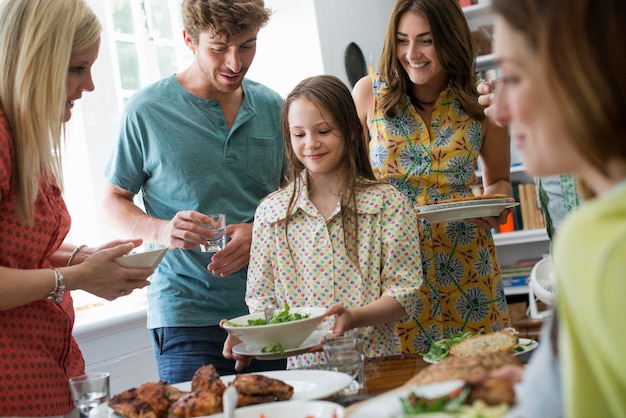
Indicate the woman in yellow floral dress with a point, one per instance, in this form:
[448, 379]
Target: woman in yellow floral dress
[427, 132]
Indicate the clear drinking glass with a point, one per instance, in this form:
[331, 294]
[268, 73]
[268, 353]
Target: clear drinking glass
[217, 224]
[91, 393]
[345, 354]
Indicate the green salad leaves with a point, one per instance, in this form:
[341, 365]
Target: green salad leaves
[278, 318]
[440, 350]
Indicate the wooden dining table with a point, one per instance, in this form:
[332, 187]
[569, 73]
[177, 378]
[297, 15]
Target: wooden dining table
[385, 373]
[381, 375]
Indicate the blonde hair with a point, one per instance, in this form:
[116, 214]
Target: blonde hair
[37, 40]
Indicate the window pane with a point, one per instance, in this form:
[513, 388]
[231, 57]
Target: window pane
[123, 17]
[167, 60]
[161, 22]
[129, 65]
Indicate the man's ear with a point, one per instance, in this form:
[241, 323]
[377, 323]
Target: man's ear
[189, 41]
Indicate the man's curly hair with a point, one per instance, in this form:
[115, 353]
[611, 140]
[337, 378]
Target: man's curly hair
[223, 17]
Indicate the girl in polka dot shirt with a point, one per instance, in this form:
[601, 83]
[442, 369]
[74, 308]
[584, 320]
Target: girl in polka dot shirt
[334, 237]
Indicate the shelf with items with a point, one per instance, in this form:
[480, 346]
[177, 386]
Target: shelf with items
[485, 62]
[480, 22]
[478, 14]
[521, 237]
[516, 290]
[526, 242]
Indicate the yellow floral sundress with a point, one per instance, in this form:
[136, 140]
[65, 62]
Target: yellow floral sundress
[462, 287]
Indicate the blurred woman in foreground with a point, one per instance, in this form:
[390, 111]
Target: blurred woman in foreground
[562, 93]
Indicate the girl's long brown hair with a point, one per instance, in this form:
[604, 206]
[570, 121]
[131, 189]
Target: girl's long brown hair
[333, 96]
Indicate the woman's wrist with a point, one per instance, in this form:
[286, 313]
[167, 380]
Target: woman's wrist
[73, 254]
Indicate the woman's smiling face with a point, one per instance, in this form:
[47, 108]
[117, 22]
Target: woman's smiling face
[416, 50]
[524, 101]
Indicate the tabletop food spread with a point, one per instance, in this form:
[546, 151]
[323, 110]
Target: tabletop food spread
[457, 385]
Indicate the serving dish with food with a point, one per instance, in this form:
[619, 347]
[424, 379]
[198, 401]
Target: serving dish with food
[204, 397]
[466, 343]
[485, 398]
[465, 208]
[287, 330]
[308, 385]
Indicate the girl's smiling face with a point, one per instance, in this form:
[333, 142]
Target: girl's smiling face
[316, 142]
[524, 101]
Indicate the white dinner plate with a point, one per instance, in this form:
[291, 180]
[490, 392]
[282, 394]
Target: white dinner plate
[523, 346]
[389, 405]
[145, 259]
[462, 204]
[288, 409]
[477, 209]
[314, 339]
[307, 384]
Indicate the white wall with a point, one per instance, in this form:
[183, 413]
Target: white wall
[288, 48]
[117, 341]
[343, 21]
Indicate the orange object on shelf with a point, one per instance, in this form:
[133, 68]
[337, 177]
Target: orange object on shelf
[509, 226]
[465, 3]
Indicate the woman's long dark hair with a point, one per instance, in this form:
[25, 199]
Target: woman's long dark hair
[454, 47]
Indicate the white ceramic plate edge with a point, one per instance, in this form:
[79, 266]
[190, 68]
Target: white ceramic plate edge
[460, 213]
[312, 340]
[145, 259]
[308, 384]
[388, 405]
[529, 345]
[289, 409]
[461, 204]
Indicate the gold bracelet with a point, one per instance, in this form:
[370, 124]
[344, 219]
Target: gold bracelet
[73, 254]
[56, 294]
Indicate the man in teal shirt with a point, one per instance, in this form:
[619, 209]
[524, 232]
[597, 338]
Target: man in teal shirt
[203, 141]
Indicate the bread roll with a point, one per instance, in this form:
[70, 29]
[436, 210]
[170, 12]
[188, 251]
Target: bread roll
[501, 341]
[473, 367]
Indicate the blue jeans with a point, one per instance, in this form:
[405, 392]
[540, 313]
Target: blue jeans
[180, 351]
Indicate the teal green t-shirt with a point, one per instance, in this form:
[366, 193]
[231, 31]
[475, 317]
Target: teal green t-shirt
[177, 150]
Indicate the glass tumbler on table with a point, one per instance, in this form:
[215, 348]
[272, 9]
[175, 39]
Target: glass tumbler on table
[217, 224]
[91, 393]
[345, 354]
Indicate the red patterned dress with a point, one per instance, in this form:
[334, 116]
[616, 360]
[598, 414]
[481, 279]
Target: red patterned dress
[37, 351]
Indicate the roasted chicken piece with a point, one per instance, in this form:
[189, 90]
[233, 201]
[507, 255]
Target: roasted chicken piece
[207, 379]
[149, 400]
[492, 391]
[196, 404]
[259, 385]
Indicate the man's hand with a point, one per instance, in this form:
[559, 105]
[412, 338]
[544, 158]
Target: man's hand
[236, 254]
[185, 230]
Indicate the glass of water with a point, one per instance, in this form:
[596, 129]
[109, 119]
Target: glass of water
[345, 354]
[91, 393]
[217, 224]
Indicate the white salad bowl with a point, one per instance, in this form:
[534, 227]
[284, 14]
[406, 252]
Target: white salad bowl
[288, 334]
